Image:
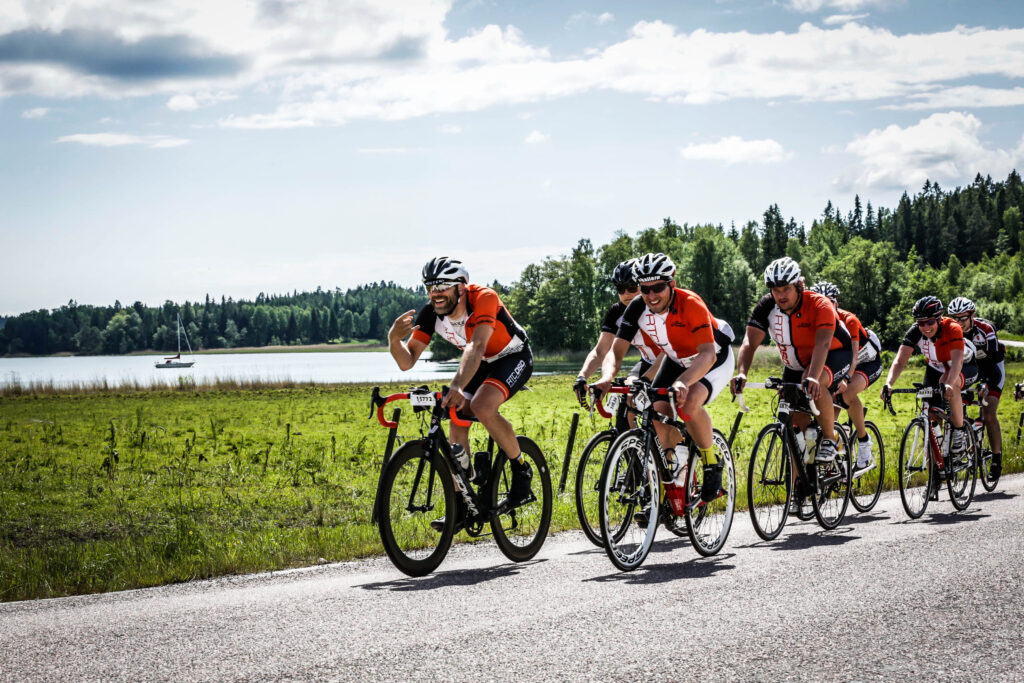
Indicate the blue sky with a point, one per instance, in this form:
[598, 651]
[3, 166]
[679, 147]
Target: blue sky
[166, 150]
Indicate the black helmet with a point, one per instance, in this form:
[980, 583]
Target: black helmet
[827, 289]
[927, 307]
[780, 272]
[623, 275]
[443, 269]
[653, 267]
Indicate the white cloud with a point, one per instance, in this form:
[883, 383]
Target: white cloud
[839, 19]
[842, 5]
[186, 102]
[591, 18]
[735, 150]
[536, 138]
[123, 139]
[450, 129]
[36, 113]
[943, 147]
[182, 103]
[966, 96]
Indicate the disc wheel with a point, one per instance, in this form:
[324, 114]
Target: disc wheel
[961, 473]
[769, 481]
[416, 490]
[520, 531]
[867, 485]
[915, 471]
[832, 480]
[588, 479]
[708, 523]
[630, 501]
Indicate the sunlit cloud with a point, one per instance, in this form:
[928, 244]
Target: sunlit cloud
[841, 5]
[971, 96]
[536, 137]
[35, 113]
[839, 19]
[735, 150]
[123, 139]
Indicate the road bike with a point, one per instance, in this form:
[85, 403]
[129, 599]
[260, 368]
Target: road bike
[424, 496]
[782, 471]
[638, 488]
[867, 483]
[976, 397]
[926, 456]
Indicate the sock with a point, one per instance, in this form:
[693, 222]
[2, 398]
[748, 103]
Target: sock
[519, 461]
[863, 439]
[707, 456]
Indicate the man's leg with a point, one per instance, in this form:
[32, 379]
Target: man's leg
[486, 401]
[995, 437]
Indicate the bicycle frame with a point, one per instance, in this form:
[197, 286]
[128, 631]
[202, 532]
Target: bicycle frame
[930, 413]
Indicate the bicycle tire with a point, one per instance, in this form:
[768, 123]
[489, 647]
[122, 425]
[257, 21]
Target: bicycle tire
[867, 487]
[915, 468]
[588, 480]
[833, 498]
[769, 481]
[414, 478]
[988, 482]
[961, 472]
[520, 531]
[629, 486]
[708, 524]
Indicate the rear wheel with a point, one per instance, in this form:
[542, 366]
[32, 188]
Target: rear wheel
[867, 485]
[630, 501]
[520, 531]
[961, 473]
[588, 478]
[417, 489]
[708, 524]
[915, 471]
[768, 483]
[833, 484]
[984, 458]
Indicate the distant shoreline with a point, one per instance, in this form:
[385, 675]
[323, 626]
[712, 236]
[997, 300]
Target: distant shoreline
[302, 348]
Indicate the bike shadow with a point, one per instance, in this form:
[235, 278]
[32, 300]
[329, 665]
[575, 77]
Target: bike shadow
[455, 577]
[994, 495]
[864, 518]
[803, 541]
[696, 568]
[954, 517]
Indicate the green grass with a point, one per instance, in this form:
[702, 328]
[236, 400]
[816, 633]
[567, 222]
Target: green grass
[105, 491]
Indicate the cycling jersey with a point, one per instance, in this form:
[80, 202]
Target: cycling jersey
[686, 324]
[793, 333]
[649, 351]
[936, 350]
[987, 348]
[867, 341]
[483, 307]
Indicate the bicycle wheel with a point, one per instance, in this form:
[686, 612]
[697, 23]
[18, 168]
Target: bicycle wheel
[961, 473]
[833, 485]
[984, 458]
[520, 531]
[588, 478]
[915, 471]
[417, 489]
[768, 483]
[708, 524]
[630, 491]
[867, 485]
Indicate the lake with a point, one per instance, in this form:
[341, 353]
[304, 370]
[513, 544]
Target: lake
[315, 367]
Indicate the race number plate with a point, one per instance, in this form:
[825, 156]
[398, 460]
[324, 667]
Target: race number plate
[422, 400]
[612, 404]
[927, 392]
[642, 400]
[783, 407]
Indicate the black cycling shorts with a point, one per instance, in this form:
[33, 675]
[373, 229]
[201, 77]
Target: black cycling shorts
[994, 375]
[969, 375]
[837, 363]
[508, 374]
[640, 369]
[871, 370]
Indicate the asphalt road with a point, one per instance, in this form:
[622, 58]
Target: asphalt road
[879, 598]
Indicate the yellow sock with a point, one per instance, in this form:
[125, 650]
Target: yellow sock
[707, 456]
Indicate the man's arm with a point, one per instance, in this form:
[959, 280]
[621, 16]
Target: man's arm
[597, 354]
[898, 363]
[611, 364]
[956, 366]
[822, 340]
[751, 340]
[698, 368]
[472, 356]
[405, 353]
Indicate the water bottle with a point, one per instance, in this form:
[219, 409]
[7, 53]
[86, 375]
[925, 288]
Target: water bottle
[801, 442]
[462, 457]
[682, 455]
[811, 438]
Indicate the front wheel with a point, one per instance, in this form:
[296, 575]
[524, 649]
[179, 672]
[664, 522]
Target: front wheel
[984, 454]
[630, 501]
[867, 484]
[588, 478]
[708, 523]
[417, 495]
[961, 474]
[520, 531]
[833, 485]
[769, 480]
[915, 470]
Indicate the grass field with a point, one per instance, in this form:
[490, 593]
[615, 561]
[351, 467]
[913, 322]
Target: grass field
[108, 491]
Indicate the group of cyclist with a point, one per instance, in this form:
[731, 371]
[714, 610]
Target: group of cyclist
[685, 348]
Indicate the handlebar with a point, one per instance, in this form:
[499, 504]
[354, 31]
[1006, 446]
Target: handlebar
[774, 384]
[668, 391]
[377, 401]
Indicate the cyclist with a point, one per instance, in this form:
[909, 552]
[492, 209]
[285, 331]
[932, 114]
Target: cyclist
[989, 353]
[865, 369]
[496, 358]
[627, 288]
[814, 345]
[698, 358]
[950, 360]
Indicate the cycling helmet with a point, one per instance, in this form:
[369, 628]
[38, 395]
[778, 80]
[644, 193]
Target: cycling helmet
[651, 267]
[927, 307]
[780, 272]
[960, 306]
[826, 288]
[444, 269]
[623, 275]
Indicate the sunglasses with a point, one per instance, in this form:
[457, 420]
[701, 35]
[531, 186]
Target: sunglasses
[927, 322]
[654, 289]
[622, 289]
[961, 318]
[439, 287]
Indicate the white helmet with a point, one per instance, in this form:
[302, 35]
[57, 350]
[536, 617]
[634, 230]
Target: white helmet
[651, 267]
[780, 272]
[443, 269]
[960, 306]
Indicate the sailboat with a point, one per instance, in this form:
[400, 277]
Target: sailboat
[176, 361]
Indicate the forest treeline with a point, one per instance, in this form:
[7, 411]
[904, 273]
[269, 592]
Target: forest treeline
[964, 242]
